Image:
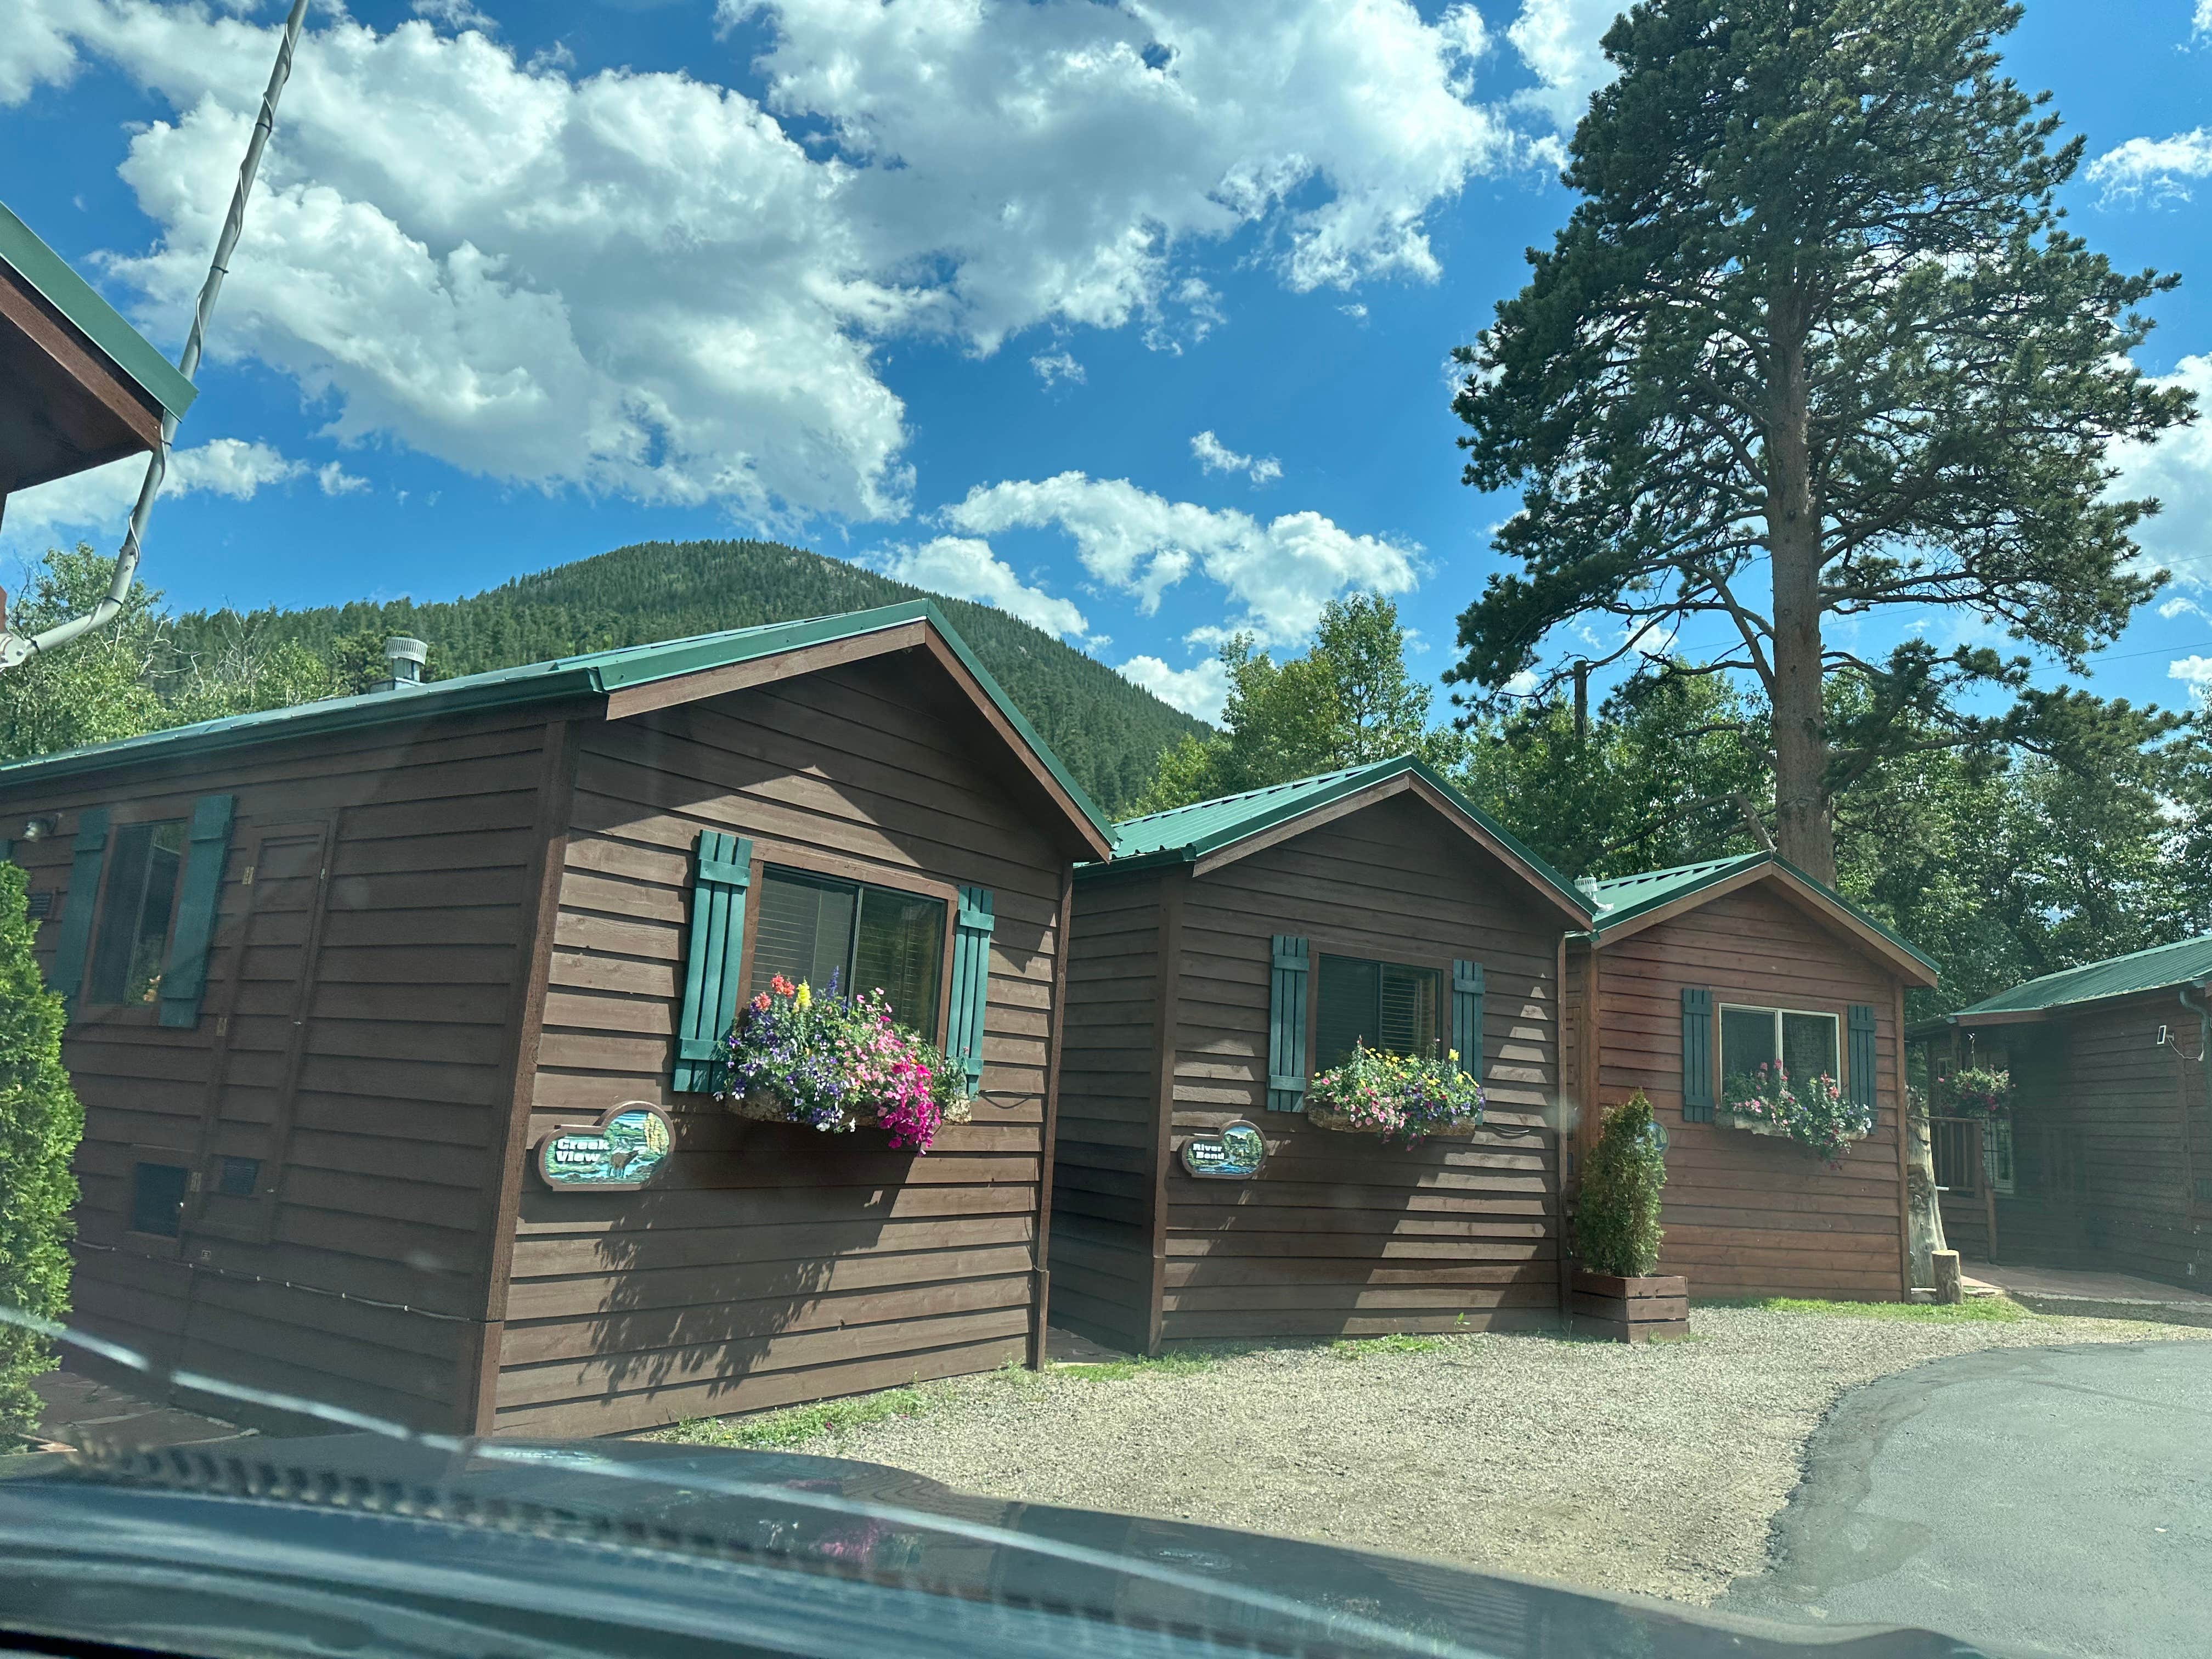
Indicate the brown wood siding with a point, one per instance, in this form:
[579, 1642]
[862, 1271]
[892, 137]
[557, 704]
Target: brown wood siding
[2109, 1134]
[1102, 1261]
[1746, 1215]
[394, 1094]
[769, 1264]
[1338, 1234]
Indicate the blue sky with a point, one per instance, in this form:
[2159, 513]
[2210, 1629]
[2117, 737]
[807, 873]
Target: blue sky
[1133, 319]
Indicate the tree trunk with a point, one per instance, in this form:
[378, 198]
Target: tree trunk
[1804, 832]
[1924, 1217]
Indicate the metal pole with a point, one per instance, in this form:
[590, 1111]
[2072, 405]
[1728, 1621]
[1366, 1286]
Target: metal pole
[15, 648]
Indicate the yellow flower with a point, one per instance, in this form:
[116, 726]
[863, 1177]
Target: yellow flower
[806, 994]
[1452, 1055]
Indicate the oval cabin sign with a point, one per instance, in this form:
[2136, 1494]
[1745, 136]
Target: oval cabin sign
[618, 1154]
[1235, 1153]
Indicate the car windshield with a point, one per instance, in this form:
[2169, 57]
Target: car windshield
[1393, 810]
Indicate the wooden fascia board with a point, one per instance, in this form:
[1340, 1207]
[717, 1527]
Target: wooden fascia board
[1094, 840]
[1275, 833]
[84, 365]
[1373, 794]
[1802, 897]
[705, 682]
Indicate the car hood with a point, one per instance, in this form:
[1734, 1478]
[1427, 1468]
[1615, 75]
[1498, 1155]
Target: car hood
[870, 1521]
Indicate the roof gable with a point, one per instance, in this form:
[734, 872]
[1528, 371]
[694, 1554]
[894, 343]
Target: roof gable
[1209, 833]
[631, 679]
[1628, 904]
[2161, 968]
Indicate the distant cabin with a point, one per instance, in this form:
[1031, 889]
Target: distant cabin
[1689, 976]
[333, 971]
[2104, 1159]
[1227, 952]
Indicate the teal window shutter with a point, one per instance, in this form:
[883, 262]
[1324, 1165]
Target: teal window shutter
[183, 979]
[971, 982]
[1696, 1054]
[76, 939]
[1286, 1025]
[1861, 1059]
[1466, 1016]
[722, 871]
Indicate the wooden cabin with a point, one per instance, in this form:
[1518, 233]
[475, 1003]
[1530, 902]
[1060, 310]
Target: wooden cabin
[1691, 976]
[337, 974]
[1226, 952]
[79, 387]
[2104, 1159]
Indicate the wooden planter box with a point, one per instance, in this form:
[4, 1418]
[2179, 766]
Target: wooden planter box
[1322, 1118]
[1629, 1310]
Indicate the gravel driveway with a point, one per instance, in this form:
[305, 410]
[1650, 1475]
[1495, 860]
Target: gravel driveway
[1649, 1468]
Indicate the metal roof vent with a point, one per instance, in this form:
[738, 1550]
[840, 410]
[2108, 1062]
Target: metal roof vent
[405, 657]
[1587, 885]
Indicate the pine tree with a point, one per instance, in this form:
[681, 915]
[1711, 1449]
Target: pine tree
[1815, 326]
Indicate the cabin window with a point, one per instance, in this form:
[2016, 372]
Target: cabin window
[132, 937]
[1385, 1004]
[825, 932]
[1804, 1043]
[157, 1199]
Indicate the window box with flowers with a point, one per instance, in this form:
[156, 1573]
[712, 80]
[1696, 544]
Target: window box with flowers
[1397, 1096]
[838, 1062]
[1812, 1111]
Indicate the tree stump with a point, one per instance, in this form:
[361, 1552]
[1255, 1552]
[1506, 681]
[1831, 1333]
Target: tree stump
[1950, 1285]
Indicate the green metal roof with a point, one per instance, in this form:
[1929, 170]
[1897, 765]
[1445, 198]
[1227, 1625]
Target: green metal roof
[1183, 835]
[50, 275]
[2161, 968]
[594, 673]
[1626, 897]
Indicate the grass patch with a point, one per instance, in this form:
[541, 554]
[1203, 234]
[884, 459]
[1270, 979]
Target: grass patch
[1120, 1370]
[1975, 1311]
[779, 1430]
[1399, 1342]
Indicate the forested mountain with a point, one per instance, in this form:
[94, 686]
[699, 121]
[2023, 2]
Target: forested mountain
[1109, 732]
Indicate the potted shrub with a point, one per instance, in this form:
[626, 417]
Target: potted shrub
[834, 1062]
[1397, 1096]
[1615, 1294]
[1814, 1112]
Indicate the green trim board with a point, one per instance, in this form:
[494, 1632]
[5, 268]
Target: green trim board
[2161, 968]
[48, 274]
[1185, 835]
[593, 674]
[1626, 898]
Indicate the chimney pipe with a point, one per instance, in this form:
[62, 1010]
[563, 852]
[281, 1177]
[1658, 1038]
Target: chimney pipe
[405, 657]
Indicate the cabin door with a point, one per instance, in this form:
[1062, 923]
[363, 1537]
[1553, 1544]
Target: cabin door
[261, 1027]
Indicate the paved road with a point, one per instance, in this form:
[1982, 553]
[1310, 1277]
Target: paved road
[2054, 1500]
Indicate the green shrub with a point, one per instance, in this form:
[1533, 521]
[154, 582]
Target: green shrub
[40, 1123]
[1617, 1226]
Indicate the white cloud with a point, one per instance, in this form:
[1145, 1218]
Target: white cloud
[1054, 367]
[1279, 574]
[2202, 24]
[2177, 471]
[644, 284]
[1558, 39]
[454, 14]
[2194, 672]
[2154, 169]
[1201, 690]
[337, 480]
[1356, 312]
[1216, 457]
[97, 504]
[967, 569]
